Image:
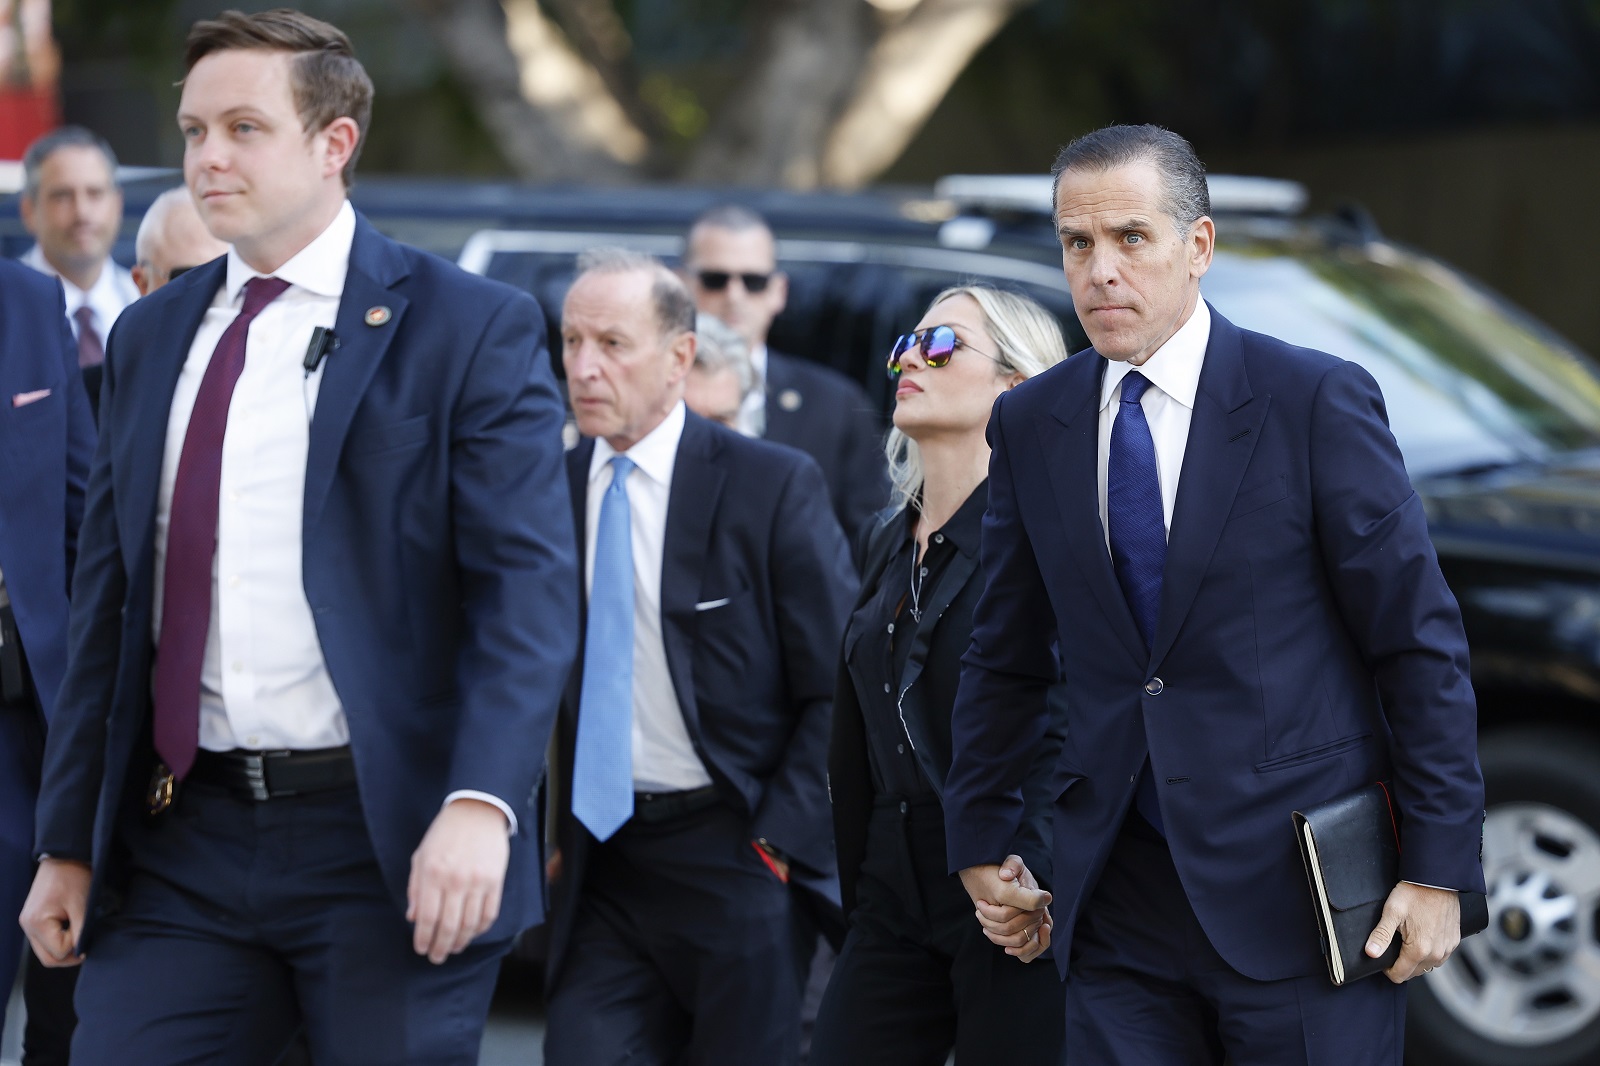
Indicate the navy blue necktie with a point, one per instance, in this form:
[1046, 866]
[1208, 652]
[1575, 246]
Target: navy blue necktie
[602, 771]
[1138, 532]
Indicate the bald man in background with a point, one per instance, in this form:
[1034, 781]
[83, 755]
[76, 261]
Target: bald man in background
[171, 239]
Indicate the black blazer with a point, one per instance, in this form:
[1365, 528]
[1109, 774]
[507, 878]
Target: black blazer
[747, 523]
[828, 416]
[926, 709]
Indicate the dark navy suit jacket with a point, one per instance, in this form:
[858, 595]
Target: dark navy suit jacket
[45, 447]
[749, 522]
[437, 556]
[1306, 645]
[828, 416]
[46, 438]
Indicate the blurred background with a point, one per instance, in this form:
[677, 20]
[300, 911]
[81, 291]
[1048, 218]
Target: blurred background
[1468, 128]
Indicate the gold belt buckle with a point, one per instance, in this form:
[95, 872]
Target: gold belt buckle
[163, 787]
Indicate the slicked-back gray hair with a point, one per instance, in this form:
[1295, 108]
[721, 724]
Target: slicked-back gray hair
[1183, 176]
[719, 348]
[673, 305]
[33, 159]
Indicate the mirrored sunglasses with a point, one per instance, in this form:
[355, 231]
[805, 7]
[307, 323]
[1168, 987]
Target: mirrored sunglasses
[937, 346]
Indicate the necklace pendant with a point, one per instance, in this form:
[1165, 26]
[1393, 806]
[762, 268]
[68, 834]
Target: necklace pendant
[916, 615]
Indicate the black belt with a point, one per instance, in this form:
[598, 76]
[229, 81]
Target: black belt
[652, 807]
[265, 775]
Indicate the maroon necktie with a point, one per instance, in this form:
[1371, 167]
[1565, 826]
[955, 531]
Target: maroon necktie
[192, 541]
[90, 350]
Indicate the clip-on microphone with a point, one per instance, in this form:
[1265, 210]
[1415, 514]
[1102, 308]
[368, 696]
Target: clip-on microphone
[323, 341]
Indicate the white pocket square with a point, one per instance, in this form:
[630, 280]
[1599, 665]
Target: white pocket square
[711, 605]
[23, 399]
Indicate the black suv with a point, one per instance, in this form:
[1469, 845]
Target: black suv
[1499, 421]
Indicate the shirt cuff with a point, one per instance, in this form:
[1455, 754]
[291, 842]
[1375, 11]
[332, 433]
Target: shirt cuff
[1441, 888]
[484, 797]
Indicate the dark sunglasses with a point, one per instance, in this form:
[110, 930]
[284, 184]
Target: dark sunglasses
[717, 280]
[937, 346]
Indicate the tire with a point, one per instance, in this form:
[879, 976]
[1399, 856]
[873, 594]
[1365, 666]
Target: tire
[1526, 991]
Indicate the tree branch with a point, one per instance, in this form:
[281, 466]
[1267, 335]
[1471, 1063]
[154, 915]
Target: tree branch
[550, 112]
[913, 65]
[597, 33]
[772, 126]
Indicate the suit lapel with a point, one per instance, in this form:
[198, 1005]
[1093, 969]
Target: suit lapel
[376, 265]
[697, 480]
[1222, 437]
[1069, 439]
[578, 460]
[159, 367]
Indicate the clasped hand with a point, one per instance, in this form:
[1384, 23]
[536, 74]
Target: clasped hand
[1012, 909]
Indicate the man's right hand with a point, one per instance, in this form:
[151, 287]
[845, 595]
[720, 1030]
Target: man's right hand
[53, 915]
[1011, 907]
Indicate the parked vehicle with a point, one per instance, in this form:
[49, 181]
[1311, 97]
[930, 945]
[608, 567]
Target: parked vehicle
[1498, 419]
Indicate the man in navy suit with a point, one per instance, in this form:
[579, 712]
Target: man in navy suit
[730, 262]
[692, 748]
[323, 599]
[1215, 532]
[48, 435]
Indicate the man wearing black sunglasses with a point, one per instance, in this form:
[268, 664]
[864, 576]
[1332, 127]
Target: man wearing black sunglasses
[730, 263]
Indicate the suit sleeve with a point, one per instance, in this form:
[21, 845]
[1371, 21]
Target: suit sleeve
[512, 520]
[813, 585]
[1001, 714]
[74, 761]
[1393, 598]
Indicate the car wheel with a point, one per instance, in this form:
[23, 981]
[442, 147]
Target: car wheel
[1526, 991]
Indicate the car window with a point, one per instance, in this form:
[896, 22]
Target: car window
[1468, 381]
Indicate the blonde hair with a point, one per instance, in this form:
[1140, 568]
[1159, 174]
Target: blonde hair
[1027, 341]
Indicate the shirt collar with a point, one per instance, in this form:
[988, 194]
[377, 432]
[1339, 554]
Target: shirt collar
[965, 526]
[104, 287]
[1174, 368]
[320, 267]
[654, 454]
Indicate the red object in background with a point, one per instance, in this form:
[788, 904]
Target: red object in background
[24, 115]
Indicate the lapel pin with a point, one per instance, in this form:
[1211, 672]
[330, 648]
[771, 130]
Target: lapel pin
[377, 316]
[789, 400]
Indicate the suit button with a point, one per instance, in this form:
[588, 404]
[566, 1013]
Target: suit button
[903, 808]
[901, 748]
[1154, 687]
[886, 687]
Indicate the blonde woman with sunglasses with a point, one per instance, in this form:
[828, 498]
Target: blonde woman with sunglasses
[917, 976]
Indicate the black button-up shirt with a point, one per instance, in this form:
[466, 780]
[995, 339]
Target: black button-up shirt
[888, 625]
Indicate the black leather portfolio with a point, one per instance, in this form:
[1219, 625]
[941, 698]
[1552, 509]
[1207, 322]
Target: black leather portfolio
[1352, 856]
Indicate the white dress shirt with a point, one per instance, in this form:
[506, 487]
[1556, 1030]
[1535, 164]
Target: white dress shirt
[752, 420]
[111, 292]
[664, 758]
[1174, 375]
[263, 684]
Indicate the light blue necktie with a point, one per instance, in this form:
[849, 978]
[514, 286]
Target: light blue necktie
[1138, 536]
[602, 775]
